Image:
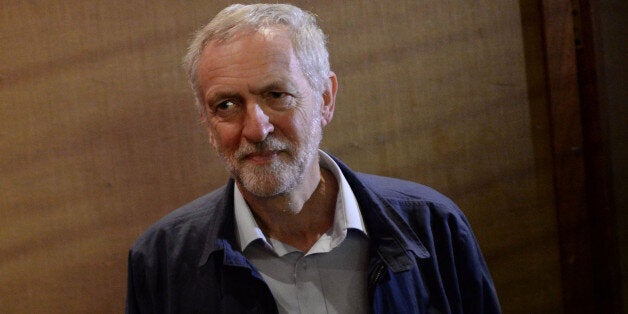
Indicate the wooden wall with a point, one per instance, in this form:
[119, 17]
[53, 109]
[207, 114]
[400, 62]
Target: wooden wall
[612, 51]
[99, 138]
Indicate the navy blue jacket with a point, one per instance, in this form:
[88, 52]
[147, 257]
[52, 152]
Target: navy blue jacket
[424, 257]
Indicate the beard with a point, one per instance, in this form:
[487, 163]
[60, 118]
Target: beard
[286, 170]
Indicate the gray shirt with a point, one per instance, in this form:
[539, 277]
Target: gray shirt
[331, 277]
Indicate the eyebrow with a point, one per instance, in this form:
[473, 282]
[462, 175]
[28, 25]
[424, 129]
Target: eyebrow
[272, 86]
[275, 85]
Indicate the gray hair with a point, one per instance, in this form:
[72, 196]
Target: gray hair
[308, 40]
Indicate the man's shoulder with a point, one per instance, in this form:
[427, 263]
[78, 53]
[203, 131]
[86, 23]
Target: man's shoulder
[415, 203]
[402, 190]
[422, 208]
[193, 219]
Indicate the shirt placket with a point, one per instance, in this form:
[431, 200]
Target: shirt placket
[307, 282]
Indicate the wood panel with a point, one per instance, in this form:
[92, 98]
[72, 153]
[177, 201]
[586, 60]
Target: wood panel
[99, 136]
[596, 154]
[567, 148]
[608, 23]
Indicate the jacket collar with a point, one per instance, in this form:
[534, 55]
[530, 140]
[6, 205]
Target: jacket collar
[391, 237]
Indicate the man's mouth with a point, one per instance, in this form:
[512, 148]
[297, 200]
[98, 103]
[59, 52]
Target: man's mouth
[261, 153]
[262, 157]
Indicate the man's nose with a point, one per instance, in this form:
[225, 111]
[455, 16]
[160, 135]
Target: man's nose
[257, 124]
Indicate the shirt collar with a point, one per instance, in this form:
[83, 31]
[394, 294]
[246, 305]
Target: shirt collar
[347, 214]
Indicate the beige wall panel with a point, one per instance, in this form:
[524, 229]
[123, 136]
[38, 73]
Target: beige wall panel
[99, 138]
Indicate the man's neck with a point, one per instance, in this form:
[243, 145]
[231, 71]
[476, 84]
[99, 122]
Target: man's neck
[300, 217]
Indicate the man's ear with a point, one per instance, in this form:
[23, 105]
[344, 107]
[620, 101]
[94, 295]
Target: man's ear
[329, 99]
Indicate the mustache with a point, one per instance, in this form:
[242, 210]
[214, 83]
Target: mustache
[269, 144]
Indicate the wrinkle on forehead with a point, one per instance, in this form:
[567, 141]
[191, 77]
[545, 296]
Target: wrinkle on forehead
[238, 44]
[251, 60]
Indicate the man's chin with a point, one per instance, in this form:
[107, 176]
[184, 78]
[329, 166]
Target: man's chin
[265, 184]
[263, 190]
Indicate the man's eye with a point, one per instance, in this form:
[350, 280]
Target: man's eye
[276, 95]
[225, 106]
[224, 109]
[279, 100]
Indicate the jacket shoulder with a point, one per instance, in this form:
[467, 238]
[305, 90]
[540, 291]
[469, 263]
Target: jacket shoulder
[403, 190]
[189, 223]
[163, 263]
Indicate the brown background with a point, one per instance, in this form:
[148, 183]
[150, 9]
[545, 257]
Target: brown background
[99, 137]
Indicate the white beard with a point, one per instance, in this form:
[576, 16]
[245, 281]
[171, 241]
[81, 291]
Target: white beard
[284, 173]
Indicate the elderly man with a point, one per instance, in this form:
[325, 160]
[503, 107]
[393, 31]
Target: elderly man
[295, 230]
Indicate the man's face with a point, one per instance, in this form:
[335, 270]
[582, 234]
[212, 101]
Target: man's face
[263, 117]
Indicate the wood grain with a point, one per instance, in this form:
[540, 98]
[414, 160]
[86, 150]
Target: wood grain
[99, 137]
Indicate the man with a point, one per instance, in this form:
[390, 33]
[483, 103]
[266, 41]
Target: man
[295, 230]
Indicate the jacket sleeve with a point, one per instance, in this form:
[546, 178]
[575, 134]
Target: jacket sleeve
[475, 285]
[137, 300]
[132, 305]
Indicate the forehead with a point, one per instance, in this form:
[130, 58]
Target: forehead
[247, 56]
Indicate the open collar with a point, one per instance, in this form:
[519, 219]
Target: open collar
[347, 215]
[390, 237]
